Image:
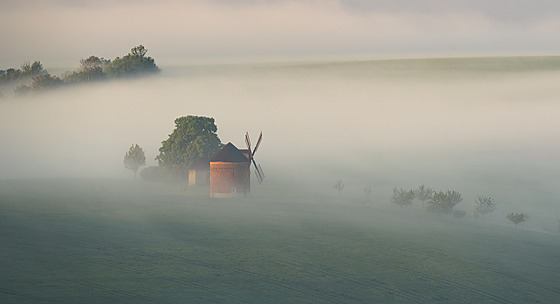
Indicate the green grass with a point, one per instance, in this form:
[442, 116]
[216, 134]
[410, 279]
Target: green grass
[98, 241]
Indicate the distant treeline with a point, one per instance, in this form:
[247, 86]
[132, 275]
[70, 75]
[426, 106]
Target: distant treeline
[33, 77]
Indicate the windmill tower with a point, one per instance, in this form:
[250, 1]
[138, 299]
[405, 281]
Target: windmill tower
[230, 170]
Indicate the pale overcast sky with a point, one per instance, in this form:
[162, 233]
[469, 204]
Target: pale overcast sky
[63, 31]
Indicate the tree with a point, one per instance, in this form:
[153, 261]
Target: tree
[138, 51]
[91, 69]
[31, 69]
[424, 193]
[37, 68]
[483, 205]
[444, 202]
[45, 81]
[193, 142]
[26, 72]
[402, 197]
[517, 218]
[135, 63]
[134, 158]
[12, 74]
[339, 186]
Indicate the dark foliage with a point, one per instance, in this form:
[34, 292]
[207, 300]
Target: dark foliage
[26, 72]
[443, 202]
[32, 77]
[133, 64]
[193, 142]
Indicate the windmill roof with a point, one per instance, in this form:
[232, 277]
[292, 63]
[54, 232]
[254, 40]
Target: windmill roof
[229, 153]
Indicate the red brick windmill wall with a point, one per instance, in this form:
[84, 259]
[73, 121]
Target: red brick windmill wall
[229, 179]
[229, 173]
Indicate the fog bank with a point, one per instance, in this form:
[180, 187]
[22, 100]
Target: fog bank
[479, 126]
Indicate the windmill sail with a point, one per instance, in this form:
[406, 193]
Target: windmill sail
[258, 143]
[258, 170]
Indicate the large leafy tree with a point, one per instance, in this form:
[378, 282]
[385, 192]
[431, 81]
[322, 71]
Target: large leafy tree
[193, 142]
[134, 158]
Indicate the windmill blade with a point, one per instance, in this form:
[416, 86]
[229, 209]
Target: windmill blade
[248, 142]
[258, 143]
[258, 177]
[261, 171]
[258, 173]
[255, 164]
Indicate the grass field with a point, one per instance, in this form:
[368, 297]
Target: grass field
[102, 241]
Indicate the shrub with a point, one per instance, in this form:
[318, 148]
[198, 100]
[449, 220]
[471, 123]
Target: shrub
[483, 205]
[151, 174]
[443, 202]
[517, 218]
[162, 175]
[402, 197]
[459, 213]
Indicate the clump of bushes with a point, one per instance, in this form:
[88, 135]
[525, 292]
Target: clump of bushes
[151, 174]
[162, 174]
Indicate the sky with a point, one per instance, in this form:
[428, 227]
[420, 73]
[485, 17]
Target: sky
[61, 32]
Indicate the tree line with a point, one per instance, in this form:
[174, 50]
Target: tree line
[32, 77]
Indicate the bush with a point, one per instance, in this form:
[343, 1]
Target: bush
[151, 174]
[517, 218]
[402, 197]
[162, 175]
[483, 205]
[444, 202]
[459, 213]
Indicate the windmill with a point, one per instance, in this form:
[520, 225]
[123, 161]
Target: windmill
[258, 170]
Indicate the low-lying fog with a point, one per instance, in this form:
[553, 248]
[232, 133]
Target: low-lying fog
[478, 126]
